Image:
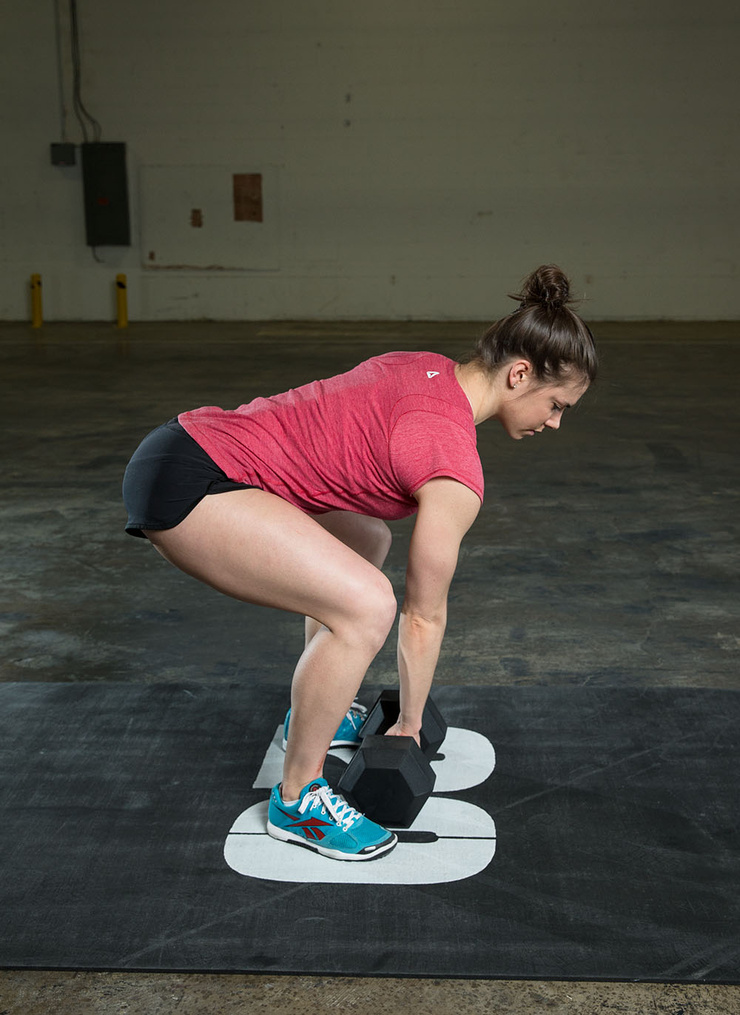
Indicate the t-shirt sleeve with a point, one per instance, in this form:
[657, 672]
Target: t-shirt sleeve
[425, 445]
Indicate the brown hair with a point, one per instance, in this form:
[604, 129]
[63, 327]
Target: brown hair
[543, 330]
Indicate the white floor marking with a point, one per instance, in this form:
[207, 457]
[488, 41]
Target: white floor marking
[271, 771]
[249, 850]
[469, 759]
[465, 834]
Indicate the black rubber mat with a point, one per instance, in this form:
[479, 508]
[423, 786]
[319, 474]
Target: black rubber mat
[578, 833]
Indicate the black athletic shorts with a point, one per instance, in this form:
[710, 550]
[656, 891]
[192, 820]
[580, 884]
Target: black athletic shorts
[167, 476]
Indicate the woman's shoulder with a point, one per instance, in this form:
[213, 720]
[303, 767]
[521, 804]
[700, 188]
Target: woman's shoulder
[410, 358]
[410, 368]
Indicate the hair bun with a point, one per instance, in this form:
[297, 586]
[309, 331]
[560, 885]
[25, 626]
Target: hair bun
[548, 286]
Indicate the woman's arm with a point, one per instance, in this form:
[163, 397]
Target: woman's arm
[447, 509]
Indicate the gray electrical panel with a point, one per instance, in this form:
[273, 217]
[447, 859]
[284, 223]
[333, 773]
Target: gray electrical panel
[105, 187]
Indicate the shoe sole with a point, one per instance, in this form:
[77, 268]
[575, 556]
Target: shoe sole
[334, 854]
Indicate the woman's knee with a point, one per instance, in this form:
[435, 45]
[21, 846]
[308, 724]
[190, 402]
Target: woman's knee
[386, 606]
[373, 612]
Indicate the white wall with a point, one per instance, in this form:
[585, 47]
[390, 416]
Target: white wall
[420, 156]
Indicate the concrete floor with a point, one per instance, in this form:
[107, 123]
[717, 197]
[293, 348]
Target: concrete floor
[606, 555]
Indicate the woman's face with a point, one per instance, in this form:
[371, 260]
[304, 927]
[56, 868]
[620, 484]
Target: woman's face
[533, 406]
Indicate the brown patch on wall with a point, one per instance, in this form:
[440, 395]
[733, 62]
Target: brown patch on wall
[247, 197]
[196, 218]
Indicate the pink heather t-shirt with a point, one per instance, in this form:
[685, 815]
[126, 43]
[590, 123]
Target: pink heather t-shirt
[363, 441]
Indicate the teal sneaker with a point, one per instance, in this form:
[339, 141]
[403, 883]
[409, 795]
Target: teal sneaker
[348, 734]
[324, 822]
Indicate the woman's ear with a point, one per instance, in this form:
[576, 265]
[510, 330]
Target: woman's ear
[520, 372]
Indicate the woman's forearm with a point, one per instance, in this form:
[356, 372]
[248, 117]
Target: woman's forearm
[419, 643]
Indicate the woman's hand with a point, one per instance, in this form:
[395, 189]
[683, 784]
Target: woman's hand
[399, 729]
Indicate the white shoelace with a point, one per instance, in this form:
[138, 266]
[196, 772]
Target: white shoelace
[335, 805]
[357, 715]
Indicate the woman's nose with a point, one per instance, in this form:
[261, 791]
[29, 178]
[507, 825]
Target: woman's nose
[554, 421]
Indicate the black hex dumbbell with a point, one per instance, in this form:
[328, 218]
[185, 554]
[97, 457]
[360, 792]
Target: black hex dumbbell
[390, 778]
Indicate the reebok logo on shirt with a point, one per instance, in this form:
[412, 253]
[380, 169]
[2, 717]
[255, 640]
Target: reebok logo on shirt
[432, 373]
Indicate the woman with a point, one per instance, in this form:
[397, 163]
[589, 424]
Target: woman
[282, 503]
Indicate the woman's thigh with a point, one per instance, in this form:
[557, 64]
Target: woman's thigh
[370, 537]
[256, 547]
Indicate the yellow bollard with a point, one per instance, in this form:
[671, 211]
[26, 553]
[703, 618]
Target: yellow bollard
[37, 309]
[122, 301]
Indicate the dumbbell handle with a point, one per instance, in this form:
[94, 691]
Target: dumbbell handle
[385, 713]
